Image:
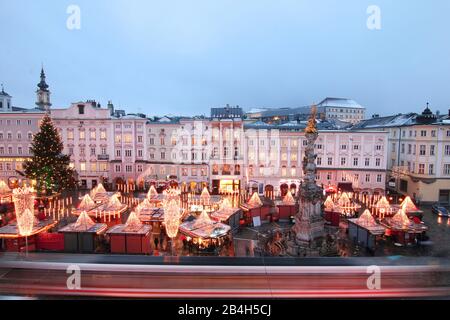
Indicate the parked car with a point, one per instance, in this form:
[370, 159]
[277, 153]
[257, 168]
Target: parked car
[440, 210]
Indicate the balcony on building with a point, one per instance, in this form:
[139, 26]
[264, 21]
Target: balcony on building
[103, 157]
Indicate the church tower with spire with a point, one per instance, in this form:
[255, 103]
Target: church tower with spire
[43, 94]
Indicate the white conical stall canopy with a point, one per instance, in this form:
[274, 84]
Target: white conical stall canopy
[205, 196]
[144, 205]
[202, 219]
[401, 219]
[344, 200]
[289, 199]
[408, 205]
[329, 203]
[133, 223]
[152, 193]
[367, 220]
[383, 203]
[114, 203]
[255, 200]
[86, 203]
[84, 222]
[4, 189]
[99, 189]
[225, 204]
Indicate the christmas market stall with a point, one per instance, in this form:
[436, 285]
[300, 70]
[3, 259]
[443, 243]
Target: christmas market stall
[404, 230]
[154, 197]
[21, 234]
[382, 209]
[255, 211]
[145, 208]
[14, 240]
[133, 237]
[409, 207]
[99, 194]
[340, 205]
[150, 214]
[332, 214]
[287, 208]
[205, 234]
[5, 193]
[112, 210]
[227, 214]
[204, 201]
[86, 205]
[365, 230]
[5, 202]
[83, 235]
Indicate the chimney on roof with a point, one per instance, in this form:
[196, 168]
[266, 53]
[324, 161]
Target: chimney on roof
[449, 112]
[111, 108]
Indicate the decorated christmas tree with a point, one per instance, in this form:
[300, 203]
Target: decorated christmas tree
[49, 166]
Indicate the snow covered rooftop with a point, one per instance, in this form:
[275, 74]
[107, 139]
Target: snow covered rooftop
[340, 103]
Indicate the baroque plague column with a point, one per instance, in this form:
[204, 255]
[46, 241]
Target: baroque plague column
[309, 224]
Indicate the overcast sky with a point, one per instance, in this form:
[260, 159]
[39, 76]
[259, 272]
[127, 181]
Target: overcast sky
[184, 57]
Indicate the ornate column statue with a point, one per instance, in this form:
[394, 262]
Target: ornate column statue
[309, 224]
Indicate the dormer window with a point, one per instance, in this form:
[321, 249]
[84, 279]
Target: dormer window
[80, 109]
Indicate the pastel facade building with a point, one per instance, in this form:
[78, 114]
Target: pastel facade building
[86, 132]
[418, 153]
[177, 150]
[274, 153]
[17, 126]
[226, 160]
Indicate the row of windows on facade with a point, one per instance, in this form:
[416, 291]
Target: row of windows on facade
[93, 151]
[411, 167]
[129, 153]
[423, 133]
[9, 122]
[162, 170]
[412, 148]
[319, 162]
[8, 167]
[82, 134]
[346, 110]
[8, 105]
[184, 155]
[184, 141]
[318, 146]
[9, 150]
[127, 126]
[9, 136]
[346, 116]
[329, 175]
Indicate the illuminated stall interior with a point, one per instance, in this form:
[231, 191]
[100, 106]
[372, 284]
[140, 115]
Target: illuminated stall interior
[204, 232]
